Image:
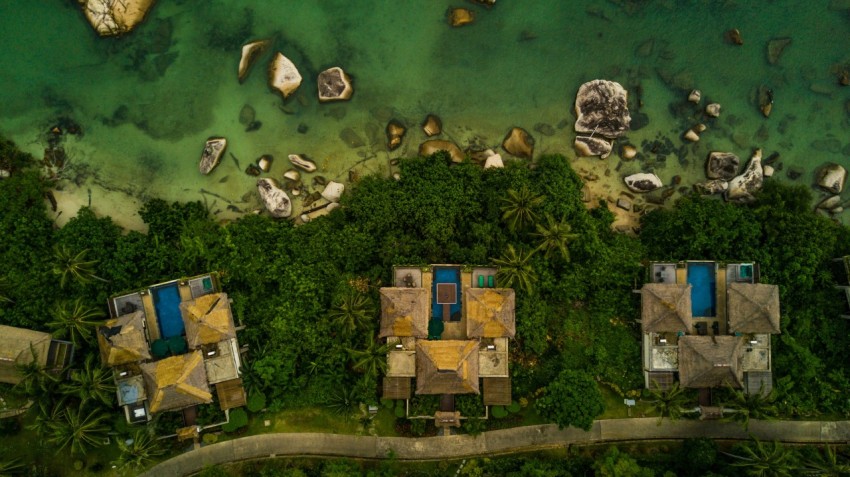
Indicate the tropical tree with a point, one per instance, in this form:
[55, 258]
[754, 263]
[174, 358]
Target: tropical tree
[36, 381]
[760, 459]
[143, 449]
[554, 236]
[515, 269]
[827, 464]
[73, 266]
[670, 402]
[75, 320]
[11, 466]
[571, 399]
[353, 312]
[757, 405]
[372, 360]
[342, 401]
[92, 382]
[79, 428]
[4, 290]
[47, 414]
[518, 208]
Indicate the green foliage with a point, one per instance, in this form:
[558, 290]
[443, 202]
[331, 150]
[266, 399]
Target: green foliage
[554, 236]
[499, 412]
[79, 428]
[615, 463]
[746, 406]
[418, 426]
[474, 427]
[238, 420]
[697, 456]
[92, 382]
[572, 399]
[73, 266]
[144, 450]
[515, 270]
[76, 321]
[671, 402]
[518, 208]
[758, 458]
[513, 408]
[256, 402]
[353, 312]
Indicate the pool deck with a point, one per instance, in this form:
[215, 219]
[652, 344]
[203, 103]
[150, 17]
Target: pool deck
[185, 292]
[682, 275]
[721, 300]
[150, 317]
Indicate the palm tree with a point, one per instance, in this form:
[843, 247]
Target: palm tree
[73, 266]
[47, 414]
[518, 208]
[92, 382]
[668, 403]
[143, 450]
[827, 464]
[372, 361]
[342, 401]
[761, 459]
[352, 313]
[754, 405]
[11, 466]
[75, 320]
[4, 290]
[554, 236]
[80, 429]
[36, 381]
[515, 269]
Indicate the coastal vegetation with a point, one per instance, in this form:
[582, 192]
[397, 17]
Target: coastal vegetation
[307, 296]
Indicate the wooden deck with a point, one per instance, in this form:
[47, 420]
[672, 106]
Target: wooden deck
[185, 292]
[721, 300]
[150, 316]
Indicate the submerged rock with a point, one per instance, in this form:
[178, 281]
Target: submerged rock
[643, 182]
[395, 133]
[213, 150]
[274, 198]
[734, 36]
[775, 48]
[247, 115]
[350, 137]
[300, 161]
[831, 178]
[334, 85]
[743, 187]
[602, 108]
[433, 146]
[519, 143]
[432, 125]
[109, 17]
[283, 75]
[830, 202]
[460, 16]
[250, 52]
[587, 146]
[715, 186]
[722, 165]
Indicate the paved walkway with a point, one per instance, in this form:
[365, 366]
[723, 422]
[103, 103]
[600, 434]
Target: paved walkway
[504, 441]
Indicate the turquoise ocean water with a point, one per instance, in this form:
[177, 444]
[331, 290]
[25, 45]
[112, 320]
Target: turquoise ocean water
[147, 102]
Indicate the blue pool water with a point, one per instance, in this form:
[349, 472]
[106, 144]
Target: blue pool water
[445, 275]
[701, 277]
[166, 300]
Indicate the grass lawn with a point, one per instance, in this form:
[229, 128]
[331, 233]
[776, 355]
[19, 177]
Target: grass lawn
[615, 408]
[317, 419]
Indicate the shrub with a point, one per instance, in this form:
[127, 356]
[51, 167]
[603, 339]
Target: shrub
[417, 426]
[399, 410]
[210, 438]
[514, 407]
[238, 419]
[499, 412]
[256, 402]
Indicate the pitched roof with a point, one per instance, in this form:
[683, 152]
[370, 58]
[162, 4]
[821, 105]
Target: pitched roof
[490, 312]
[122, 340]
[666, 307]
[208, 320]
[446, 367]
[396, 388]
[404, 312]
[710, 361]
[16, 348]
[231, 394]
[753, 308]
[176, 382]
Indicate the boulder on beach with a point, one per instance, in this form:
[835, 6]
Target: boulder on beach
[519, 143]
[587, 146]
[433, 146]
[830, 202]
[695, 96]
[110, 18]
[494, 161]
[831, 178]
[722, 165]
[333, 191]
[283, 75]
[432, 125]
[643, 182]
[691, 135]
[628, 152]
[298, 160]
[274, 198]
[602, 109]
[743, 187]
[213, 150]
[715, 186]
[250, 52]
[334, 85]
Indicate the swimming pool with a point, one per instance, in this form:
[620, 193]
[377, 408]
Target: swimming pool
[166, 300]
[703, 283]
[445, 275]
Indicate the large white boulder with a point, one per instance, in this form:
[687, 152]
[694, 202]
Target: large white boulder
[213, 150]
[602, 109]
[250, 52]
[111, 17]
[283, 75]
[274, 198]
[587, 146]
[743, 187]
[831, 178]
[643, 182]
[333, 191]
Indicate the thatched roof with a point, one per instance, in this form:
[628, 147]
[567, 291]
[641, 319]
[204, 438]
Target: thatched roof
[122, 340]
[396, 388]
[17, 346]
[497, 391]
[753, 308]
[666, 308]
[404, 312]
[176, 382]
[710, 361]
[446, 367]
[208, 320]
[490, 312]
[231, 394]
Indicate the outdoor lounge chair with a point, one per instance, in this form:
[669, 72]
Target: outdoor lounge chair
[480, 281]
[490, 281]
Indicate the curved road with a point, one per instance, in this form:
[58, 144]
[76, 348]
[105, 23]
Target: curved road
[504, 441]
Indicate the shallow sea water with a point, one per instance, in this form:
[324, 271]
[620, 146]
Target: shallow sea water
[148, 101]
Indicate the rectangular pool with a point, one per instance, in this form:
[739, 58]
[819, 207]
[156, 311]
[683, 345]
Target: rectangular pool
[703, 281]
[445, 275]
[166, 301]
